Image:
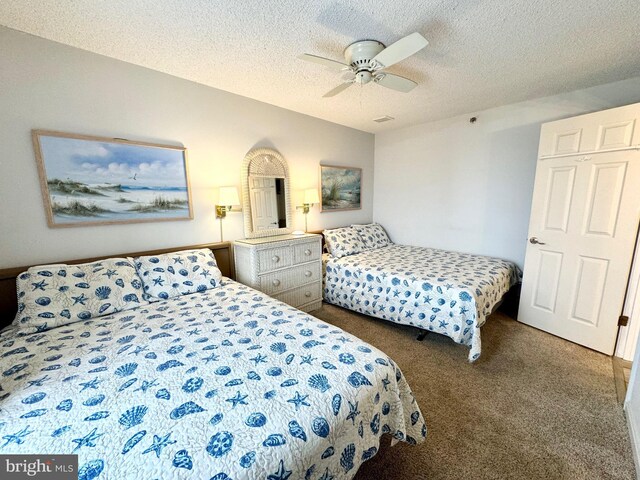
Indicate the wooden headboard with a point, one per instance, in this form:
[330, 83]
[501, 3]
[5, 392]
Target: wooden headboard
[9, 303]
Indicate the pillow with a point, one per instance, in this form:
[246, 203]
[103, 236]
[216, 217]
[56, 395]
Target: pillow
[54, 295]
[373, 235]
[179, 273]
[343, 241]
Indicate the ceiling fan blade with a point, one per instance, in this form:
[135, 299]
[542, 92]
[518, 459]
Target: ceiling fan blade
[340, 88]
[398, 51]
[348, 76]
[395, 82]
[327, 62]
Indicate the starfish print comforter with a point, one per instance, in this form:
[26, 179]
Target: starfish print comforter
[225, 384]
[440, 291]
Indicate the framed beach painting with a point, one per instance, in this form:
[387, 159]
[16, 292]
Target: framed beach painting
[340, 187]
[89, 180]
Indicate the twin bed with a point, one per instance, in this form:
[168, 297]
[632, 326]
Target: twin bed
[223, 383]
[440, 291]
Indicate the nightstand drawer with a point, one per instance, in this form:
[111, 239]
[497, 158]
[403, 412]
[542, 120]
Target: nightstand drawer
[306, 252]
[302, 295]
[282, 280]
[273, 258]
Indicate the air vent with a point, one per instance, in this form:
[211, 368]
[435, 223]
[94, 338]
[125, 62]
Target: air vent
[386, 118]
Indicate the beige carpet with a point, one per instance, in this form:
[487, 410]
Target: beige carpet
[532, 407]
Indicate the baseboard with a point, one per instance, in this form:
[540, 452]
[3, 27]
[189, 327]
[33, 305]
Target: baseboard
[634, 434]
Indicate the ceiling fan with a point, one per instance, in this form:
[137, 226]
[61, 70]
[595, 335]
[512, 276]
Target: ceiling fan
[367, 59]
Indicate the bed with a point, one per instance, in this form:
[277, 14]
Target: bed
[226, 383]
[440, 291]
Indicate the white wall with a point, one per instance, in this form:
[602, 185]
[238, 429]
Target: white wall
[467, 187]
[632, 402]
[52, 86]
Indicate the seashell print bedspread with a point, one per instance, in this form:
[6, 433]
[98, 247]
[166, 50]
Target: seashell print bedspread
[225, 384]
[441, 291]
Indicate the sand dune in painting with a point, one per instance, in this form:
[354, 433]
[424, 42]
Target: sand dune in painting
[75, 201]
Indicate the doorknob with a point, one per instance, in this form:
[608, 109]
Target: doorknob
[535, 241]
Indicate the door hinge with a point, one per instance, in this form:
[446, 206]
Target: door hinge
[623, 321]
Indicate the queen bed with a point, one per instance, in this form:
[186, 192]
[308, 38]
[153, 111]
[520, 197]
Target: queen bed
[223, 383]
[439, 291]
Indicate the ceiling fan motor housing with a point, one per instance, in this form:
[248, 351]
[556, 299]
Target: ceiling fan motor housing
[359, 54]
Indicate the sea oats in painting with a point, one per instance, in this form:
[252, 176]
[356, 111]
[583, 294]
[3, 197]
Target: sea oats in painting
[340, 188]
[94, 180]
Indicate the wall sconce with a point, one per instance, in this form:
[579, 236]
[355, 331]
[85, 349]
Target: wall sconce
[310, 198]
[228, 197]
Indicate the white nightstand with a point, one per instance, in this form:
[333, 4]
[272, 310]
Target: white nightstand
[286, 267]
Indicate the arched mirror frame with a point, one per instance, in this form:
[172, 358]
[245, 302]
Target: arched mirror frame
[267, 163]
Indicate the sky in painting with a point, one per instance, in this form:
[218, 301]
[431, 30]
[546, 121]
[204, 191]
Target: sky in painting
[95, 162]
[348, 178]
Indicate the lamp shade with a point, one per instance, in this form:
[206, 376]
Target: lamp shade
[311, 196]
[229, 196]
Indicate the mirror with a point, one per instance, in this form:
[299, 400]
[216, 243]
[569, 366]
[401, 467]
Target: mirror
[267, 203]
[265, 194]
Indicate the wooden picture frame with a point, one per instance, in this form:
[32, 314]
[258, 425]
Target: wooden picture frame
[340, 188]
[88, 180]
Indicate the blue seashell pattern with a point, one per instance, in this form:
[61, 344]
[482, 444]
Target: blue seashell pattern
[180, 273]
[445, 292]
[91, 470]
[226, 383]
[341, 242]
[319, 382]
[133, 416]
[52, 297]
[256, 419]
[297, 431]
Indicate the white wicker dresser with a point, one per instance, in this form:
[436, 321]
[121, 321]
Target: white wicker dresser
[286, 267]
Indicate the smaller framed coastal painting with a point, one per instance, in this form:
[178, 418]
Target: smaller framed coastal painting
[89, 180]
[340, 187]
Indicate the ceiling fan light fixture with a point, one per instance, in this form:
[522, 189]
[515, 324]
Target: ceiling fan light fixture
[363, 77]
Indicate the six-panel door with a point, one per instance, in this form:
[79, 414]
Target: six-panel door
[584, 218]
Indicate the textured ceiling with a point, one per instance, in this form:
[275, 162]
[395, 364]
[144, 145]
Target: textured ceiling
[482, 53]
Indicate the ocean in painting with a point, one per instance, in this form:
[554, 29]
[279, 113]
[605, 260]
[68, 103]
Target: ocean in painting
[340, 188]
[93, 181]
[80, 202]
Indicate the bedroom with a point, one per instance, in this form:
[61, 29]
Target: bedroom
[455, 170]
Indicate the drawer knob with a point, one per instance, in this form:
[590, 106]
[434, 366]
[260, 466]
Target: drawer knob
[276, 282]
[275, 259]
[307, 294]
[307, 273]
[307, 252]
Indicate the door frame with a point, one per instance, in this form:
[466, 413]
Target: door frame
[627, 340]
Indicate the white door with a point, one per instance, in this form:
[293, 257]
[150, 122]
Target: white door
[264, 203]
[582, 231]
